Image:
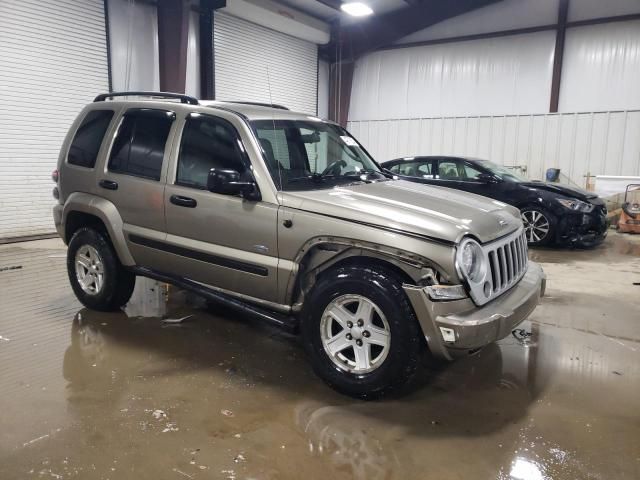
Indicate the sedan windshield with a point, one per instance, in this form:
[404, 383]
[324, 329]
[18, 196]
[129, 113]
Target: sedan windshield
[506, 174]
[309, 155]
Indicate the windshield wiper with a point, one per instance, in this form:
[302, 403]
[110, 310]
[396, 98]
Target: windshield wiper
[321, 177]
[364, 174]
[314, 177]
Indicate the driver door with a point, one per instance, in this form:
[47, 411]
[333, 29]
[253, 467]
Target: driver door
[223, 241]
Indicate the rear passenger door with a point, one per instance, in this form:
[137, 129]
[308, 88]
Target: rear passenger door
[224, 241]
[134, 177]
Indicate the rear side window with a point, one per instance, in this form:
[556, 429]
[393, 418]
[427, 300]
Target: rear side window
[139, 146]
[414, 169]
[84, 148]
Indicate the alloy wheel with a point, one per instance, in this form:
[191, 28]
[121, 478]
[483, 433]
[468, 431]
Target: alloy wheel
[536, 225]
[89, 269]
[355, 334]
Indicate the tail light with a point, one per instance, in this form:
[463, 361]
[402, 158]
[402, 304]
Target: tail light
[55, 176]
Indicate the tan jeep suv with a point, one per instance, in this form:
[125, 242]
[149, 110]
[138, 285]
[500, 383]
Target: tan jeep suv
[286, 217]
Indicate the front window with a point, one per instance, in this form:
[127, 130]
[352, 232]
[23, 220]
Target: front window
[306, 155]
[207, 142]
[506, 174]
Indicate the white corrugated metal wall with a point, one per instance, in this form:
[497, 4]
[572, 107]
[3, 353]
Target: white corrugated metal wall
[489, 97]
[54, 61]
[255, 63]
[603, 143]
[484, 77]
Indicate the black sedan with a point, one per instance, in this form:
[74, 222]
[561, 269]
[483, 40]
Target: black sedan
[551, 212]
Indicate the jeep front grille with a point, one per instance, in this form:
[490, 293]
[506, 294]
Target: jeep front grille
[508, 260]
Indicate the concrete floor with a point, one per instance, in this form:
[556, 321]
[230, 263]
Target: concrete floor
[127, 395]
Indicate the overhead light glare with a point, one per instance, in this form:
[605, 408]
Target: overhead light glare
[356, 9]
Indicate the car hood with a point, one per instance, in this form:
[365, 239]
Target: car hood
[560, 189]
[435, 212]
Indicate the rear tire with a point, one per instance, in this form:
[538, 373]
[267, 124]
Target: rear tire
[374, 356]
[97, 277]
[539, 226]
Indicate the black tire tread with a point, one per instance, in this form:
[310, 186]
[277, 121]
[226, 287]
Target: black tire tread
[407, 345]
[119, 282]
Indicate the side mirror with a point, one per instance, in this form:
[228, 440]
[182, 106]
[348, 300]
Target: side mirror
[227, 182]
[488, 178]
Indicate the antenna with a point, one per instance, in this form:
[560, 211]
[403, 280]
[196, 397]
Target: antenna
[273, 121]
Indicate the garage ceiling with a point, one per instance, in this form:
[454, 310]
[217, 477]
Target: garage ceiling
[329, 10]
[391, 21]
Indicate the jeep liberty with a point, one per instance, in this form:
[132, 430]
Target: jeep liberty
[286, 217]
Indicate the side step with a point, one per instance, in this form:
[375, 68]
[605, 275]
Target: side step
[286, 322]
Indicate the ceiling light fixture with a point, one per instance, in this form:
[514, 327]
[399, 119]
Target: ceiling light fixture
[356, 9]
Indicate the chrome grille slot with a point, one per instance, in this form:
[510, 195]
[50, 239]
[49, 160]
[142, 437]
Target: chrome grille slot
[503, 266]
[510, 272]
[495, 270]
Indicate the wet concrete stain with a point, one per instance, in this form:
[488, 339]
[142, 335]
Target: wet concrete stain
[175, 388]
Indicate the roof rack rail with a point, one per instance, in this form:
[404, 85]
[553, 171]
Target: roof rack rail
[180, 96]
[257, 104]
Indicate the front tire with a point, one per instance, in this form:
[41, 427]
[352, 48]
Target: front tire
[97, 277]
[539, 226]
[360, 331]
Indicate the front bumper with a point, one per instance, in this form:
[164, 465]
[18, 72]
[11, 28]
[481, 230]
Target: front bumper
[459, 327]
[57, 220]
[583, 229]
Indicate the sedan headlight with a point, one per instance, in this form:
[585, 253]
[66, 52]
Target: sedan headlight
[471, 260]
[575, 205]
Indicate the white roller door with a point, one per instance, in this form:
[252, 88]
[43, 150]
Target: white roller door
[53, 60]
[249, 58]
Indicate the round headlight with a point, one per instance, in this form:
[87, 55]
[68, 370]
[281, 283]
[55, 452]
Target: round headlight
[471, 260]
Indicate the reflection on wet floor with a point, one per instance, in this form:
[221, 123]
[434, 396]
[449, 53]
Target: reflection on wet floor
[175, 388]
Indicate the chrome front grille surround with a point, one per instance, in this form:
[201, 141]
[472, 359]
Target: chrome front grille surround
[506, 261]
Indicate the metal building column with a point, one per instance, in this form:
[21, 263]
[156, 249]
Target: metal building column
[340, 83]
[173, 32]
[563, 11]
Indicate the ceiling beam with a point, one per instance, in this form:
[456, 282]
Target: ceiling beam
[335, 4]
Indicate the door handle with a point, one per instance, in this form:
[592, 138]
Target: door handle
[183, 201]
[109, 184]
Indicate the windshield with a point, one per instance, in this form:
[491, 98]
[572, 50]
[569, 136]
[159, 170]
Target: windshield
[307, 155]
[504, 173]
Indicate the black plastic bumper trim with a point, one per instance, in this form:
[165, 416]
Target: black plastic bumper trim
[286, 322]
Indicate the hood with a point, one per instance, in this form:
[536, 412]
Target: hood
[560, 189]
[436, 212]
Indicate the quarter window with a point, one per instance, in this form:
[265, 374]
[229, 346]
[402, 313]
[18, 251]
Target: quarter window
[139, 146]
[470, 172]
[208, 142]
[85, 146]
